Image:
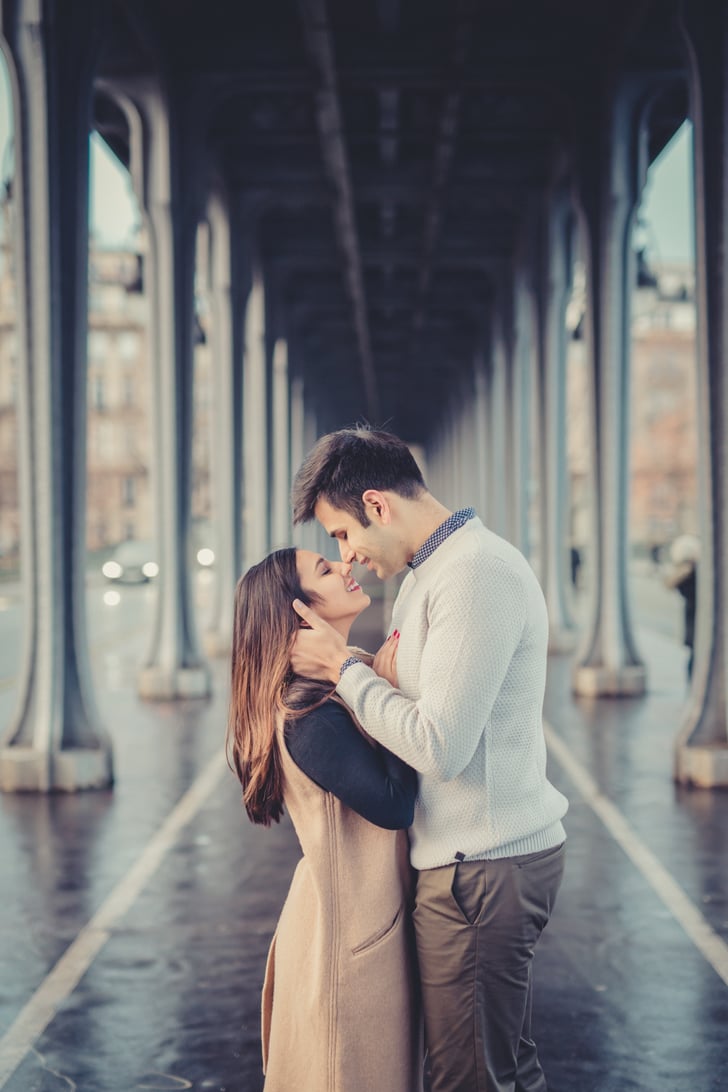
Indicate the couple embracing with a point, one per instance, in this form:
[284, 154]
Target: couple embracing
[415, 779]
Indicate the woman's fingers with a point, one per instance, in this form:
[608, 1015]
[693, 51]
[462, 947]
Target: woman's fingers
[385, 661]
[309, 616]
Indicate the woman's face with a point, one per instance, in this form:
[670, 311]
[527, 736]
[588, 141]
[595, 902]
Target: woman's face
[340, 599]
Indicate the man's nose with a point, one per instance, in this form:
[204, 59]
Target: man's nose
[346, 553]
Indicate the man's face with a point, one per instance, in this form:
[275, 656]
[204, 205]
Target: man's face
[378, 546]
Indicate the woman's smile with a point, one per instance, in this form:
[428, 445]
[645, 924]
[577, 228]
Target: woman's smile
[335, 594]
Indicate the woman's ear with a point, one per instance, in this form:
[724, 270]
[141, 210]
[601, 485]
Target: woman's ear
[377, 506]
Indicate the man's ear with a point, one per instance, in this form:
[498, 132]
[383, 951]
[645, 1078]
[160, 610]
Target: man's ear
[377, 506]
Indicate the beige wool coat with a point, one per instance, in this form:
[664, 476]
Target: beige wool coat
[340, 1006]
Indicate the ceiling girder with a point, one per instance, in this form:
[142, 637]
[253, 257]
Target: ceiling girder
[333, 147]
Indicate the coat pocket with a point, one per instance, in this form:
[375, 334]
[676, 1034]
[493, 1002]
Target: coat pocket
[380, 936]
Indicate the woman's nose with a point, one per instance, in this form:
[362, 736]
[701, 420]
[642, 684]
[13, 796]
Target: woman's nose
[345, 568]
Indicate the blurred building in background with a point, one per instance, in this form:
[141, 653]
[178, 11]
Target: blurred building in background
[119, 440]
[663, 456]
[664, 473]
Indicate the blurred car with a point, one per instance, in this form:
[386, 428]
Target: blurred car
[132, 562]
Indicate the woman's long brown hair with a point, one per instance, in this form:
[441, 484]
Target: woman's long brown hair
[263, 685]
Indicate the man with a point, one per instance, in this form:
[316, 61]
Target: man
[681, 574]
[466, 713]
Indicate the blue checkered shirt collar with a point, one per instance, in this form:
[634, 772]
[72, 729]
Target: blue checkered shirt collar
[452, 523]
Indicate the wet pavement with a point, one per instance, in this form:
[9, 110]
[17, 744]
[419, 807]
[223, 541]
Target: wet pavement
[624, 999]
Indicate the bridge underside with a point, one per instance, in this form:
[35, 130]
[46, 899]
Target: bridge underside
[390, 160]
[395, 196]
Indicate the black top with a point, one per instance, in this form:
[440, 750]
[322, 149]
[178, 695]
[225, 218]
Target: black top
[329, 748]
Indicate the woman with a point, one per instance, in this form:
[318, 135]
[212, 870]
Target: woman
[340, 1006]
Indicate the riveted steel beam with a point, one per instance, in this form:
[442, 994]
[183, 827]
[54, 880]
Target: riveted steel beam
[319, 40]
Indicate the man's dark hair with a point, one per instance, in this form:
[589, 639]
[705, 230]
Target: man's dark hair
[344, 464]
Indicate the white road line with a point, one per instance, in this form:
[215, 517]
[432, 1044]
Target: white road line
[704, 937]
[35, 1017]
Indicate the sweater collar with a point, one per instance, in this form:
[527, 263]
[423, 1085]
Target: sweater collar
[452, 523]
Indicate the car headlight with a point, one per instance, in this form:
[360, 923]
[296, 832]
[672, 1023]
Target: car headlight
[150, 569]
[111, 569]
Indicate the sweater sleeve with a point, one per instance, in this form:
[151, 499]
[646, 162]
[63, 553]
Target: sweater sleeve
[329, 748]
[476, 618]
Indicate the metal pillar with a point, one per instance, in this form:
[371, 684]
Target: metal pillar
[281, 510]
[55, 739]
[480, 438]
[297, 444]
[226, 439]
[432, 459]
[497, 431]
[554, 290]
[470, 485]
[504, 392]
[522, 386]
[511, 412]
[298, 424]
[610, 180]
[452, 465]
[462, 492]
[303, 434]
[256, 513]
[311, 535]
[164, 160]
[435, 461]
[701, 753]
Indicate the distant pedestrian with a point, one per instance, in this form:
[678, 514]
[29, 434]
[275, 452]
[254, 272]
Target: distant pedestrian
[682, 576]
[575, 559]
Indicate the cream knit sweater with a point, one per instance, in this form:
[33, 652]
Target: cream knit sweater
[467, 714]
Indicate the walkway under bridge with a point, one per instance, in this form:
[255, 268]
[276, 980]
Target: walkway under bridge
[136, 921]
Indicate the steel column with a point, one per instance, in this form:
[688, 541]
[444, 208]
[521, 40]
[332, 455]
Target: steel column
[611, 179]
[55, 739]
[226, 437]
[701, 753]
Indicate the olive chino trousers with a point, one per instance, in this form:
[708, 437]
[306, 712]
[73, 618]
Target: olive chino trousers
[477, 924]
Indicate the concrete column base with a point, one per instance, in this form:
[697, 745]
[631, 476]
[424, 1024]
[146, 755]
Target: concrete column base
[597, 681]
[24, 769]
[163, 684]
[562, 640]
[703, 765]
[217, 645]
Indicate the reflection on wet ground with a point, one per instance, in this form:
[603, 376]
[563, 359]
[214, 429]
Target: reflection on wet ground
[624, 999]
